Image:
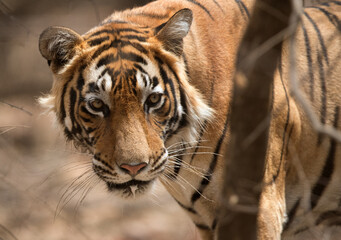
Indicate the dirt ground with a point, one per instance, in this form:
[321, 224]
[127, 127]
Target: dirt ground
[37, 166]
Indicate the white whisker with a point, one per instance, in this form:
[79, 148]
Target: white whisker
[179, 177]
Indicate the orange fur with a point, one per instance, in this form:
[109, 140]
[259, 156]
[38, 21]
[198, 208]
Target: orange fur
[117, 63]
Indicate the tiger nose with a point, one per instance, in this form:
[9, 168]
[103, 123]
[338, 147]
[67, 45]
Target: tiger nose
[133, 169]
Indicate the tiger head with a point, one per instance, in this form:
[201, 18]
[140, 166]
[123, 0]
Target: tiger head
[122, 91]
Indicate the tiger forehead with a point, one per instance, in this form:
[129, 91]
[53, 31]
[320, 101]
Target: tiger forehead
[122, 84]
[115, 31]
[118, 48]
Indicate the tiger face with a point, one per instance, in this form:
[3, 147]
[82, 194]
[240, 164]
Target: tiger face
[121, 91]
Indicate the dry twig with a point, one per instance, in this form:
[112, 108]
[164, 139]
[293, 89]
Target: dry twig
[16, 107]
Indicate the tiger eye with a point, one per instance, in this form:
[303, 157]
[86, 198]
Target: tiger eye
[96, 104]
[154, 98]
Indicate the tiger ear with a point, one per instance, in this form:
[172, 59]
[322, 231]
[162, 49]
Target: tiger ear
[172, 32]
[58, 46]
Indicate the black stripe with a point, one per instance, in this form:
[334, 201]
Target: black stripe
[158, 158]
[214, 223]
[208, 175]
[177, 166]
[106, 60]
[103, 83]
[93, 88]
[168, 82]
[140, 68]
[68, 134]
[137, 46]
[161, 110]
[97, 156]
[202, 7]
[183, 121]
[90, 130]
[123, 55]
[62, 114]
[243, 9]
[309, 60]
[286, 121]
[331, 17]
[202, 226]
[328, 169]
[72, 104]
[80, 80]
[160, 165]
[155, 82]
[100, 50]
[292, 214]
[240, 7]
[318, 32]
[144, 80]
[87, 120]
[218, 5]
[100, 170]
[113, 31]
[131, 37]
[85, 110]
[189, 209]
[113, 76]
[98, 41]
[93, 141]
[132, 57]
[336, 2]
[323, 96]
[121, 43]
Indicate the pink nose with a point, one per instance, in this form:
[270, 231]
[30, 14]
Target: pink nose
[133, 169]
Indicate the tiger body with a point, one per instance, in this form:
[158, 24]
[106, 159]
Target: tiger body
[148, 93]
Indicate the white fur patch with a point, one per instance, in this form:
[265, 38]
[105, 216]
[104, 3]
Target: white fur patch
[94, 75]
[47, 102]
[68, 123]
[145, 85]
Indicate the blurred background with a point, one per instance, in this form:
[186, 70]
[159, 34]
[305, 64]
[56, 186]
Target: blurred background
[37, 166]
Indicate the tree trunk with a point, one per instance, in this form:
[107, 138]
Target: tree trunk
[307, 3]
[250, 112]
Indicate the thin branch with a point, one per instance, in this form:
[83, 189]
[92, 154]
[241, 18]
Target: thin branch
[10, 128]
[16, 107]
[300, 96]
[27, 193]
[6, 234]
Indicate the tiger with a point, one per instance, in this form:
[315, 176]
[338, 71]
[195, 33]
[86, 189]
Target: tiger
[148, 94]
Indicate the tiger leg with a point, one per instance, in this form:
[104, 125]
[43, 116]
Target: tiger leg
[271, 214]
[272, 205]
